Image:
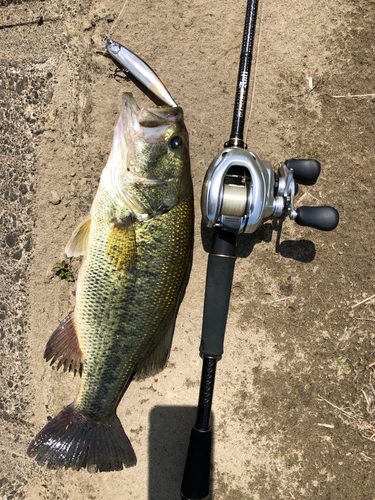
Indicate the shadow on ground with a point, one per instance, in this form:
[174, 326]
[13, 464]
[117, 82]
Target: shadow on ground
[299, 250]
[170, 428]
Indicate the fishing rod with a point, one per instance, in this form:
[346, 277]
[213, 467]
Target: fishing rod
[239, 192]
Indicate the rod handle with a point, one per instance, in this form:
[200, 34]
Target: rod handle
[196, 479]
[220, 269]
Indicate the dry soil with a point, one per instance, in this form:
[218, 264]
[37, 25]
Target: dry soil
[294, 405]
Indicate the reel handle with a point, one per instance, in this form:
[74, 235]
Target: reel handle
[322, 218]
[305, 171]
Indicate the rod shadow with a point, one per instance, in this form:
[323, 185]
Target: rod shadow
[170, 428]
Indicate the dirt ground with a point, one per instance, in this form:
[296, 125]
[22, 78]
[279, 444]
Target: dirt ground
[294, 405]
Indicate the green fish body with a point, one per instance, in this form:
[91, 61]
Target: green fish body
[137, 247]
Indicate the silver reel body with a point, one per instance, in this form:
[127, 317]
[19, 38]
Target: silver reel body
[239, 191]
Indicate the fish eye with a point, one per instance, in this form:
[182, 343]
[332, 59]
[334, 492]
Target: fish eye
[175, 142]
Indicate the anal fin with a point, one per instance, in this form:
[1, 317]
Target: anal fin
[64, 347]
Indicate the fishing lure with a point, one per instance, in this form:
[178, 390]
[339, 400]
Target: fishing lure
[139, 69]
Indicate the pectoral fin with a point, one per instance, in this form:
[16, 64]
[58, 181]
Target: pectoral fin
[121, 246]
[78, 243]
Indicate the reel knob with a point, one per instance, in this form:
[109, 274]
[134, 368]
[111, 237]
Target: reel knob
[304, 171]
[322, 218]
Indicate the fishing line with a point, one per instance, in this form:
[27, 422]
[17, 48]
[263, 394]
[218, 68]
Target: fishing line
[256, 62]
[117, 18]
[255, 72]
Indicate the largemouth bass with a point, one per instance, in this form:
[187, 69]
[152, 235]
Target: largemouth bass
[137, 247]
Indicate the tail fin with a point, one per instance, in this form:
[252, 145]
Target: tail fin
[69, 440]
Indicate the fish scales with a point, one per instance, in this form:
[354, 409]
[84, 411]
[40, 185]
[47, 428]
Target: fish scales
[135, 307]
[137, 247]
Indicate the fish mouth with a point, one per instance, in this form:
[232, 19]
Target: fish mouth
[134, 118]
[150, 124]
[134, 123]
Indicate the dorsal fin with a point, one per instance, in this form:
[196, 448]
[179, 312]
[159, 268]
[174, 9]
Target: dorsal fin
[78, 243]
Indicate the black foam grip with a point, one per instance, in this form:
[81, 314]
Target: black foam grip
[322, 218]
[216, 303]
[196, 479]
[304, 171]
[219, 279]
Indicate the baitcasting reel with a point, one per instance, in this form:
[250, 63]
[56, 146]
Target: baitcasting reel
[240, 191]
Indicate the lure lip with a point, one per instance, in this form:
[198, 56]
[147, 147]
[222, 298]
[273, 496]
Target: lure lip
[139, 69]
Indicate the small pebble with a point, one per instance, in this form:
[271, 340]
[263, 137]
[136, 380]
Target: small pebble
[87, 26]
[11, 240]
[54, 198]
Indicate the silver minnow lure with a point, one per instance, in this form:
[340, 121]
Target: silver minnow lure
[140, 70]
